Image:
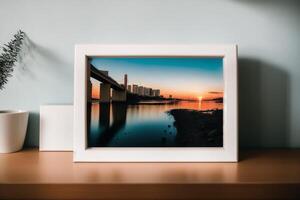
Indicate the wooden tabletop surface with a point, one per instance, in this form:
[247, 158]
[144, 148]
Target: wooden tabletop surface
[255, 167]
[32, 166]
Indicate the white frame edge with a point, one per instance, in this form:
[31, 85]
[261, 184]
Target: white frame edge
[227, 153]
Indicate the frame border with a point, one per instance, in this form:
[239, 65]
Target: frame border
[227, 153]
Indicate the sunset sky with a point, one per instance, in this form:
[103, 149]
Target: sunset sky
[188, 78]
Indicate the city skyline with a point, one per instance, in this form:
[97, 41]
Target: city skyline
[185, 78]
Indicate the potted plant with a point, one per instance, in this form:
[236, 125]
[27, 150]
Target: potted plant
[13, 123]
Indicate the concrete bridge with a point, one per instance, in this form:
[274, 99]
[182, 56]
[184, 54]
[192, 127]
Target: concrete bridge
[107, 83]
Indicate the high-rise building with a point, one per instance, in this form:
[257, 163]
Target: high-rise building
[135, 89]
[147, 91]
[141, 91]
[156, 93]
[129, 88]
[151, 92]
[125, 80]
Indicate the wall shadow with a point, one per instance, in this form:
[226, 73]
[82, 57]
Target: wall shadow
[34, 54]
[34, 60]
[263, 104]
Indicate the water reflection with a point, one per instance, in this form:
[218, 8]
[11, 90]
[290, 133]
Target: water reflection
[122, 125]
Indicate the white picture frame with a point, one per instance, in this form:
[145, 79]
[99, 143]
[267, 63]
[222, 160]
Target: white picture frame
[227, 153]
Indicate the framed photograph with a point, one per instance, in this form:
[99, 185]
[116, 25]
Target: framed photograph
[155, 103]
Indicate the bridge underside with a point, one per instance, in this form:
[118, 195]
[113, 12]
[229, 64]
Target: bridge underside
[118, 92]
[103, 78]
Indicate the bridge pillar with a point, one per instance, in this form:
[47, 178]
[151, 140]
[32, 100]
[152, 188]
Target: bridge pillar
[104, 93]
[89, 91]
[118, 96]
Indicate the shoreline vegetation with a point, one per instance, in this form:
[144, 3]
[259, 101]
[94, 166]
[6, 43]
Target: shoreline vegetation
[198, 128]
[137, 99]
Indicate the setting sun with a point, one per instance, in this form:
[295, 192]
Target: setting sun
[200, 98]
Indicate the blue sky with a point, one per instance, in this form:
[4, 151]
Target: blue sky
[176, 76]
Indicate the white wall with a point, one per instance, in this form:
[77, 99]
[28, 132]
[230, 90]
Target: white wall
[266, 31]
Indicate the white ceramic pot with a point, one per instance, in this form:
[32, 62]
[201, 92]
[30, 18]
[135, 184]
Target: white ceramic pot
[13, 125]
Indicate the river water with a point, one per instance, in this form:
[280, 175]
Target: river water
[142, 125]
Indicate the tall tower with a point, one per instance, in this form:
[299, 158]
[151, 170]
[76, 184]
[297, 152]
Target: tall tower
[125, 81]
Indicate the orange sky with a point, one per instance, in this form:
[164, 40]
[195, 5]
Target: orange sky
[187, 78]
[95, 91]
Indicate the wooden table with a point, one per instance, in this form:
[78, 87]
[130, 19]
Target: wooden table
[261, 174]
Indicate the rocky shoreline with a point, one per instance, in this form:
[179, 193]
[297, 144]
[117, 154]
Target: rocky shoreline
[198, 128]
